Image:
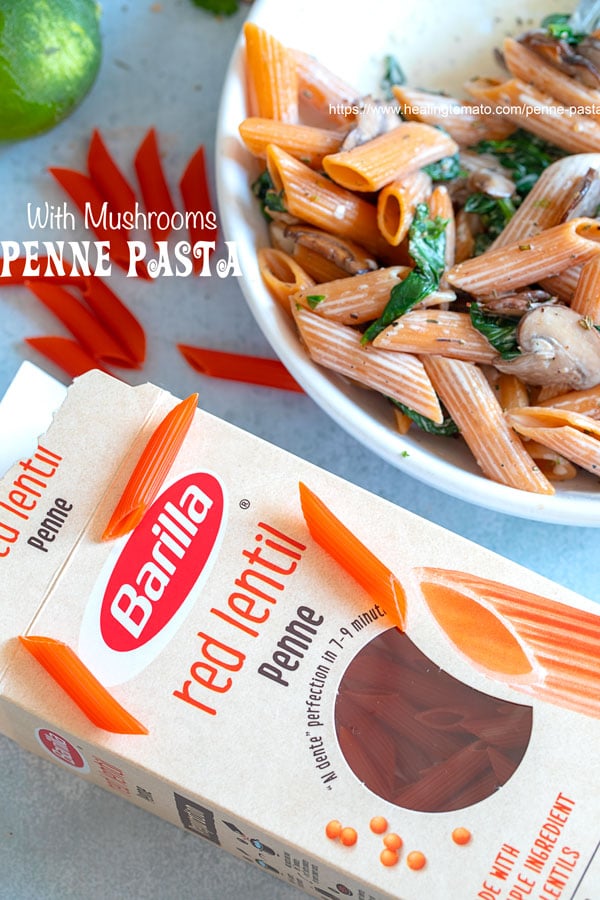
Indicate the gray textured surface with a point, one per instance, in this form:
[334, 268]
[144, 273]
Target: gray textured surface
[60, 837]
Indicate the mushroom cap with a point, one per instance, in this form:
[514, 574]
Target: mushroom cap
[558, 347]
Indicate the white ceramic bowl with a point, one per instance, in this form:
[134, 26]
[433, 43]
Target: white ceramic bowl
[439, 45]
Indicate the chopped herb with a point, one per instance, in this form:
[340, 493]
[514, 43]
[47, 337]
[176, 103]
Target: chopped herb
[427, 246]
[500, 331]
[526, 155]
[405, 454]
[445, 169]
[313, 300]
[392, 74]
[270, 199]
[494, 213]
[447, 428]
[557, 25]
[219, 7]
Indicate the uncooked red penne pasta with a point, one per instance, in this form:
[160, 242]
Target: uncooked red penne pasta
[43, 268]
[526, 262]
[546, 204]
[353, 300]
[396, 205]
[575, 436]
[399, 376]
[108, 177]
[389, 157]
[317, 200]
[473, 405]
[439, 332]
[586, 299]
[539, 113]
[322, 93]
[259, 370]
[95, 339]
[282, 275]
[272, 75]
[151, 469]
[356, 559]
[153, 185]
[460, 120]
[116, 318]
[65, 353]
[305, 142]
[531, 68]
[92, 698]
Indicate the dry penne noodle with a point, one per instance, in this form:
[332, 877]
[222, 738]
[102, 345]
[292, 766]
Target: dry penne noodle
[282, 275]
[526, 262]
[464, 125]
[396, 375]
[438, 332]
[389, 157]
[317, 200]
[586, 299]
[305, 142]
[529, 67]
[396, 205]
[272, 76]
[471, 402]
[539, 113]
[323, 93]
[571, 434]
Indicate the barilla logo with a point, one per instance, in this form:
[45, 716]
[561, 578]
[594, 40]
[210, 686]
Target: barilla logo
[152, 578]
[61, 749]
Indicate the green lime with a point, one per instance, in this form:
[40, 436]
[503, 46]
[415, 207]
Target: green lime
[49, 57]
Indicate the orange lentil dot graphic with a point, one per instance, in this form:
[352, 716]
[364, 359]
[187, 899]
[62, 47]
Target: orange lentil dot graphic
[415, 860]
[378, 824]
[392, 841]
[461, 835]
[388, 857]
[333, 829]
[348, 836]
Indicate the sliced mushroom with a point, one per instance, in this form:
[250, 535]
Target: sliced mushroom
[557, 346]
[486, 174]
[346, 255]
[515, 303]
[580, 62]
[374, 118]
[584, 197]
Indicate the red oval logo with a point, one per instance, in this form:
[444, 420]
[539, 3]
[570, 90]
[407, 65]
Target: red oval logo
[161, 561]
[61, 748]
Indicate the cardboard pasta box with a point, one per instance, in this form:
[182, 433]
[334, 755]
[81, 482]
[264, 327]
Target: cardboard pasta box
[278, 695]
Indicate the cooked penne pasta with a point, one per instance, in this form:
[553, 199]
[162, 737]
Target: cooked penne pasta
[521, 263]
[396, 375]
[353, 300]
[272, 76]
[305, 142]
[539, 113]
[389, 157]
[511, 392]
[530, 68]
[554, 466]
[464, 125]
[282, 275]
[396, 205]
[317, 200]
[575, 436]
[586, 299]
[321, 92]
[438, 332]
[473, 405]
[585, 402]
